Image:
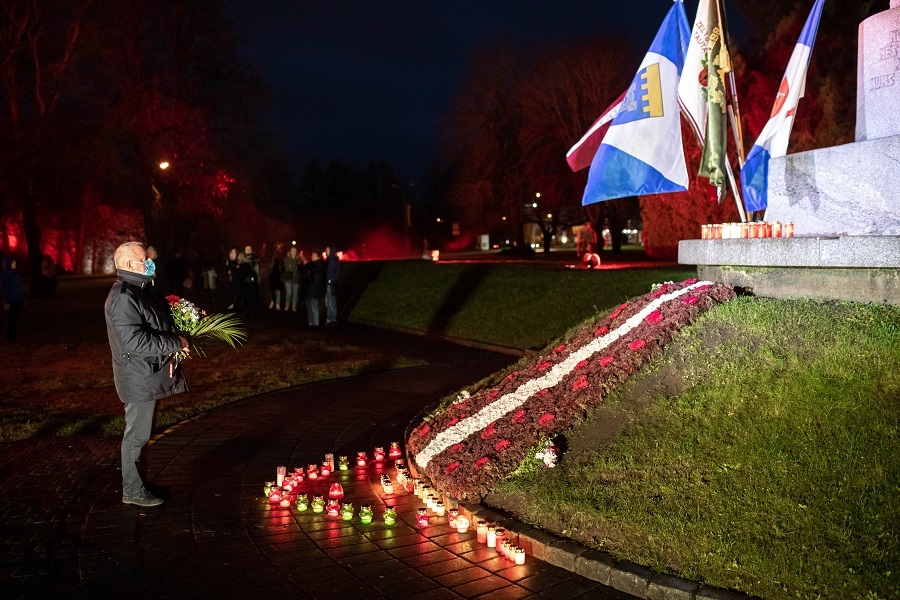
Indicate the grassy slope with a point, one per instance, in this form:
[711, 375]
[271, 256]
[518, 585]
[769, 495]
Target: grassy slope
[760, 454]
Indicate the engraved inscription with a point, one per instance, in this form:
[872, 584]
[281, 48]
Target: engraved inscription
[882, 81]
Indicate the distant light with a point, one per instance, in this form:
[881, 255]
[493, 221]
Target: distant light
[435, 255]
[293, 242]
[549, 215]
[537, 194]
[164, 165]
[438, 219]
[504, 218]
[534, 205]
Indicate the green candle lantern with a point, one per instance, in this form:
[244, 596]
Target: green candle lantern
[343, 463]
[365, 514]
[268, 487]
[302, 502]
[347, 511]
[318, 503]
[390, 515]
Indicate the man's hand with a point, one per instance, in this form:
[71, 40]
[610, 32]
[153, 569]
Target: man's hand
[185, 346]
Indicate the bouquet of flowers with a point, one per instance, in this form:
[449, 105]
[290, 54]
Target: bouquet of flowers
[195, 326]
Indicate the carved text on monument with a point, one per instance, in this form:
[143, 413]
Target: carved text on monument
[889, 56]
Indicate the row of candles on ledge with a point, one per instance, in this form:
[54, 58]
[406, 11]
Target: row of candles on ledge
[284, 493]
[753, 229]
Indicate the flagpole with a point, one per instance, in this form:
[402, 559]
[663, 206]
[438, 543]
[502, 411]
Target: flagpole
[737, 195]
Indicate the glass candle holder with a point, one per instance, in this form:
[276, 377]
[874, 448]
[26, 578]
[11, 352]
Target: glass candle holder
[439, 508]
[378, 454]
[318, 504]
[388, 488]
[333, 509]
[390, 515]
[491, 536]
[462, 524]
[343, 463]
[422, 517]
[275, 495]
[452, 515]
[429, 501]
[520, 556]
[399, 463]
[336, 491]
[365, 514]
[302, 502]
[347, 511]
[500, 534]
[329, 458]
[481, 532]
[325, 469]
[361, 459]
[394, 452]
[268, 487]
[280, 472]
[285, 502]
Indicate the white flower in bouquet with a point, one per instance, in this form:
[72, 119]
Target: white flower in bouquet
[195, 325]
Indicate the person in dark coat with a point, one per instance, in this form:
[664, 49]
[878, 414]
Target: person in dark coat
[249, 282]
[332, 272]
[313, 287]
[143, 345]
[13, 298]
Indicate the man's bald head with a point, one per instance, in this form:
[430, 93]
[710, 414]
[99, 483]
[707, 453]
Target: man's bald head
[130, 256]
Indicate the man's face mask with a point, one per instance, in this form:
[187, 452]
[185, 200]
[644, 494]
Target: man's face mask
[149, 267]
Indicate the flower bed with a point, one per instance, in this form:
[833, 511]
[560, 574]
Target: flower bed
[471, 443]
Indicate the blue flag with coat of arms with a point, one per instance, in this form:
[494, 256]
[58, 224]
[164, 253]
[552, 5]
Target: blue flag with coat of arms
[774, 138]
[642, 152]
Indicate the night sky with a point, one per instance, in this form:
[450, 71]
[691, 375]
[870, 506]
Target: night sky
[359, 81]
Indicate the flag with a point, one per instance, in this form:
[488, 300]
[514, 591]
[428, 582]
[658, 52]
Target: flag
[773, 141]
[582, 153]
[692, 87]
[642, 152]
[718, 65]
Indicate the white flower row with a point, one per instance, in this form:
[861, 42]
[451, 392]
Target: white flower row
[508, 402]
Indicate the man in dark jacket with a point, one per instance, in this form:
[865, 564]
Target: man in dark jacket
[142, 342]
[332, 272]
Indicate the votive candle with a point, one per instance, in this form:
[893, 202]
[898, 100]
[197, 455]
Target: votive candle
[481, 532]
[280, 472]
[520, 556]
[462, 524]
[491, 536]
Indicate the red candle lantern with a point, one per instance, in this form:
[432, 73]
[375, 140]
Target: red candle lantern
[275, 495]
[422, 517]
[394, 452]
[379, 454]
[333, 509]
[335, 492]
[325, 471]
[452, 515]
[312, 471]
[361, 459]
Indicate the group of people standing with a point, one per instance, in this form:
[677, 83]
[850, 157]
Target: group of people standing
[293, 277]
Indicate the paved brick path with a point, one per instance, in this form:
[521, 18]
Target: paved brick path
[65, 533]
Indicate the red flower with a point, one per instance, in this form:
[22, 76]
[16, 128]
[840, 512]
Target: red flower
[456, 447]
[690, 300]
[502, 445]
[605, 361]
[488, 431]
[703, 287]
[481, 462]
[493, 395]
[453, 422]
[690, 281]
[654, 317]
[541, 392]
[580, 383]
[459, 405]
[637, 344]
[546, 419]
[601, 331]
[544, 365]
[173, 299]
[560, 348]
[451, 467]
[618, 311]
[519, 416]
[581, 365]
[424, 430]
[510, 376]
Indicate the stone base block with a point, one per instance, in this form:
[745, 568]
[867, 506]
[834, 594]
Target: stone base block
[843, 190]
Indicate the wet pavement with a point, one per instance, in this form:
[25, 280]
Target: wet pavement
[65, 533]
